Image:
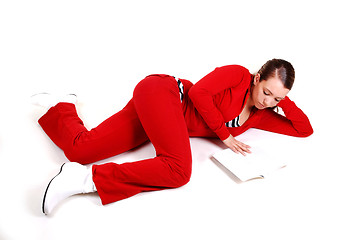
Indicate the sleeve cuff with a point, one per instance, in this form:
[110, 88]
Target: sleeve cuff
[285, 102]
[223, 133]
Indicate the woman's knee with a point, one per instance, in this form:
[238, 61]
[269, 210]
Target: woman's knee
[184, 179]
[183, 172]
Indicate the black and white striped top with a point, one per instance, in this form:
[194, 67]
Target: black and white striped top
[233, 123]
[181, 88]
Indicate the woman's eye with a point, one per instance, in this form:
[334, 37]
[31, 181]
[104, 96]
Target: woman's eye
[267, 94]
[277, 100]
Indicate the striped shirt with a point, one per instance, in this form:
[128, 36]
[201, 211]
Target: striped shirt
[233, 123]
[181, 88]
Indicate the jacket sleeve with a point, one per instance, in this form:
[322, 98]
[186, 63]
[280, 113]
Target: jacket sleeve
[203, 92]
[294, 123]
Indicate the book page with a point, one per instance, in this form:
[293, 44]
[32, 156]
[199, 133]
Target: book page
[254, 165]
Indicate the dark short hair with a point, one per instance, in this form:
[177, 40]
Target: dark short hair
[278, 68]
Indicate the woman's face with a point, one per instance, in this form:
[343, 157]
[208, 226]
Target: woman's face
[268, 93]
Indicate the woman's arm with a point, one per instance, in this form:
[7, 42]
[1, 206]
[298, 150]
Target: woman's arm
[216, 82]
[295, 123]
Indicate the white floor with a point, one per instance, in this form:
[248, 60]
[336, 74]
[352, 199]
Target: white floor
[100, 50]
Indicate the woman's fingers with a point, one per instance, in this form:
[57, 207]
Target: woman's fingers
[246, 148]
[241, 148]
[237, 146]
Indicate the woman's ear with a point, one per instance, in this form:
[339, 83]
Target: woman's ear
[256, 79]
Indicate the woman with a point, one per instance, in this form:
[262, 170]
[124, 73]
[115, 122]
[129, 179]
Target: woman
[167, 111]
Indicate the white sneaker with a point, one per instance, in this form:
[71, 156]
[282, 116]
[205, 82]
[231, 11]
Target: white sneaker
[73, 178]
[48, 100]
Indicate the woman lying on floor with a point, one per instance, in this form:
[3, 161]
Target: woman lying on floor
[166, 111]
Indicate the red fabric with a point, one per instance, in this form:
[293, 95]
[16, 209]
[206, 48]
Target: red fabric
[156, 113]
[220, 97]
[119, 133]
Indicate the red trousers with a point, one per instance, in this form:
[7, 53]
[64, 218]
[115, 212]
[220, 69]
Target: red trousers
[154, 113]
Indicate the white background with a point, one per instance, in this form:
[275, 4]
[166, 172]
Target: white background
[101, 49]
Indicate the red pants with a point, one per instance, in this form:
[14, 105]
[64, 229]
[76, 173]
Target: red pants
[155, 113]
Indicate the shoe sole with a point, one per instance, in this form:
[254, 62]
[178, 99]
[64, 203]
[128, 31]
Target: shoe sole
[47, 188]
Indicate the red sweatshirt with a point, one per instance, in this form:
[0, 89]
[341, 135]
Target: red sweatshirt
[220, 96]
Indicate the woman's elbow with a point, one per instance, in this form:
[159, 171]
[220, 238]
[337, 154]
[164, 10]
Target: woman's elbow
[306, 133]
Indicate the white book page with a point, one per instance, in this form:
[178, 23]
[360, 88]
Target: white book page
[253, 165]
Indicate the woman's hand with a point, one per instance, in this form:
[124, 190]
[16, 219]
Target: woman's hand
[236, 146]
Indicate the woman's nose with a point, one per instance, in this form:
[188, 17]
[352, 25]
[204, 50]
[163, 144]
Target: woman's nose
[267, 102]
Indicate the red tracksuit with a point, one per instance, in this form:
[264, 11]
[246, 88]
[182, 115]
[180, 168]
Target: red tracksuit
[156, 113]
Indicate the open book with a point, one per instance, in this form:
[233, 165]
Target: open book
[252, 166]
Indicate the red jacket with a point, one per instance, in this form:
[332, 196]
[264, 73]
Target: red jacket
[220, 97]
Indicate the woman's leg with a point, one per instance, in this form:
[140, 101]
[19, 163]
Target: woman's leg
[117, 134]
[157, 103]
